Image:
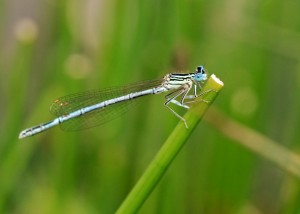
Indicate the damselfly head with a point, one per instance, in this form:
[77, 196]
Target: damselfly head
[200, 74]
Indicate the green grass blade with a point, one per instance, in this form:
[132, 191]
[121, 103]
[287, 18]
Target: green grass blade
[256, 142]
[169, 150]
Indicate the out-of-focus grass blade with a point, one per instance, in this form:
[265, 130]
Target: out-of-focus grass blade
[255, 141]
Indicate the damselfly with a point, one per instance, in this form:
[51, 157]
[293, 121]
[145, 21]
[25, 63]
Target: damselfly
[92, 108]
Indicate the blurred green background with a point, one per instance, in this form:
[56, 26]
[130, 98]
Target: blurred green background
[53, 48]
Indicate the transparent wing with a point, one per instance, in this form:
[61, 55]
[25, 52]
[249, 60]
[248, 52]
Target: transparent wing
[67, 104]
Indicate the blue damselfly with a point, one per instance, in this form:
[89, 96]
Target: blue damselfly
[92, 108]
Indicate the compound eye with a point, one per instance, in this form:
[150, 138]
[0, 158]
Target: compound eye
[200, 74]
[200, 69]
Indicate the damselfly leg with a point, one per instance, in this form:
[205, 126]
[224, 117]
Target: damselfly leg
[183, 92]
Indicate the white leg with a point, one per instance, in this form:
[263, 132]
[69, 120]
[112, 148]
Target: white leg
[176, 102]
[172, 99]
[199, 95]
